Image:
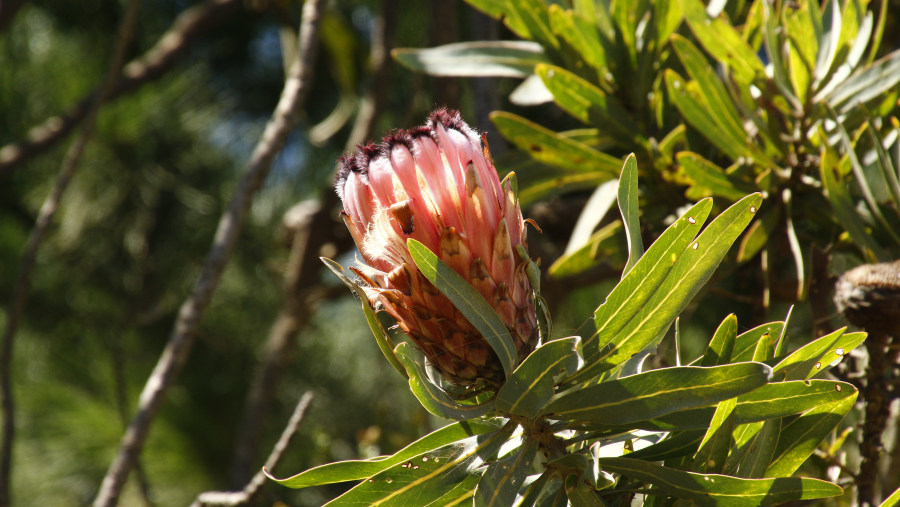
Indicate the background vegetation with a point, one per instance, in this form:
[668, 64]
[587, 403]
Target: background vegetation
[177, 121]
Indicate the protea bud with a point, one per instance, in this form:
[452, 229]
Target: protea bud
[436, 184]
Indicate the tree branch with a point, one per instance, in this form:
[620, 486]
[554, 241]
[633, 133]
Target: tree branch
[283, 120]
[36, 237]
[151, 66]
[252, 488]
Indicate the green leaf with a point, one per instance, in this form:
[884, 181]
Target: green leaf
[532, 18]
[866, 85]
[530, 385]
[655, 393]
[707, 178]
[590, 105]
[758, 234]
[800, 364]
[843, 206]
[720, 104]
[761, 450]
[714, 489]
[468, 301]
[493, 8]
[746, 343]
[719, 38]
[800, 437]
[628, 206]
[688, 98]
[710, 458]
[355, 470]
[431, 478]
[689, 273]
[675, 445]
[581, 34]
[773, 400]
[605, 244]
[626, 299]
[722, 344]
[381, 337]
[502, 479]
[431, 396]
[474, 59]
[831, 357]
[554, 149]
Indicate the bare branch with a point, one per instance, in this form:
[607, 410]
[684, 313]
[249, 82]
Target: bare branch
[252, 488]
[314, 226]
[283, 120]
[151, 66]
[35, 238]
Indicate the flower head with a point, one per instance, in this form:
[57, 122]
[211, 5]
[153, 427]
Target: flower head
[436, 184]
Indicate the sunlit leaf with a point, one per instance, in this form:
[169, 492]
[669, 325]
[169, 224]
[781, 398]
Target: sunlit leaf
[468, 301]
[530, 385]
[355, 470]
[628, 207]
[474, 59]
[720, 489]
[722, 344]
[502, 479]
[431, 396]
[708, 178]
[655, 393]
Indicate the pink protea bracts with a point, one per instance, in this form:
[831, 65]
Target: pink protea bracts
[436, 184]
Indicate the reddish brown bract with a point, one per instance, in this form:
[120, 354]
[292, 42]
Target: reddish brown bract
[437, 184]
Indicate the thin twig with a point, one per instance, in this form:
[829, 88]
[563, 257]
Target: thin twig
[150, 66]
[283, 120]
[252, 488]
[314, 229]
[36, 237]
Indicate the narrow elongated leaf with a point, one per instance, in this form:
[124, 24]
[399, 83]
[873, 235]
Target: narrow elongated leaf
[743, 439]
[385, 344]
[690, 272]
[468, 301]
[603, 245]
[800, 437]
[687, 97]
[722, 344]
[707, 178]
[355, 470]
[432, 397]
[745, 344]
[628, 206]
[710, 457]
[776, 399]
[712, 91]
[719, 38]
[590, 104]
[592, 214]
[678, 444]
[474, 59]
[581, 34]
[758, 234]
[655, 393]
[530, 385]
[624, 301]
[554, 149]
[833, 356]
[844, 209]
[867, 84]
[761, 450]
[711, 489]
[801, 362]
[532, 15]
[502, 479]
[438, 475]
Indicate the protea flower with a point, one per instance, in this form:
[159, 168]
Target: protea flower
[437, 184]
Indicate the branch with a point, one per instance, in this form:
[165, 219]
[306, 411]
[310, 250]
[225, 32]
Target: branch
[189, 25]
[283, 120]
[36, 237]
[313, 227]
[252, 488]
